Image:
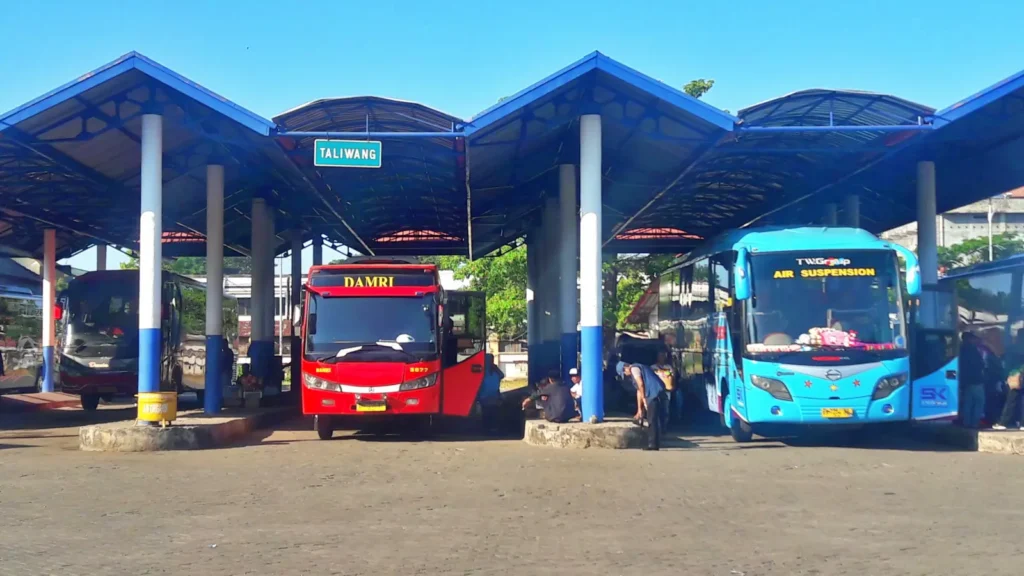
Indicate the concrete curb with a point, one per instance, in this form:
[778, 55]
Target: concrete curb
[988, 441]
[126, 437]
[615, 435]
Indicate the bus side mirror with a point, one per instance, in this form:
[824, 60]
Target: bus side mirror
[296, 315]
[913, 270]
[741, 274]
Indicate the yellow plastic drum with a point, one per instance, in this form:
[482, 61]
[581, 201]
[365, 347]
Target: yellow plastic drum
[159, 407]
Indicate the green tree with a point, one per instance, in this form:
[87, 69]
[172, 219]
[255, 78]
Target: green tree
[975, 250]
[503, 279]
[196, 266]
[698, 87]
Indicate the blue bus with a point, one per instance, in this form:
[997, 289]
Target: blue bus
[987, 300]
[778, 327]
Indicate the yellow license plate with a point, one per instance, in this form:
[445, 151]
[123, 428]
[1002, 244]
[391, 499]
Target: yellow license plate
[371, 407]
[837, 412]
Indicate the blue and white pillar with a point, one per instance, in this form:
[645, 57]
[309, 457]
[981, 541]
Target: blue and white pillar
[568, 309]
[49, 300]
[150, 253]
[851, 211]
[590, 268]
[214, 395]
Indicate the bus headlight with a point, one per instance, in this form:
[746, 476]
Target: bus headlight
[319, 383]
[772, 386]
[888, 385]
[424, 382]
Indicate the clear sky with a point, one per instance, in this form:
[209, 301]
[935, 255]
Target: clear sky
[461, 56]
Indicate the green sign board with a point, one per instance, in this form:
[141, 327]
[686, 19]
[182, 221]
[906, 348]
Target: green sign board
[346, 153]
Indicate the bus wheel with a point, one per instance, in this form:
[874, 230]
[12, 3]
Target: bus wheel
[324, 427]
[740, 430]
[90, 402]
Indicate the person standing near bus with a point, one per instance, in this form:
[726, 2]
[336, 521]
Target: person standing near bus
[650, 394]
[664, 371]
[972, 380]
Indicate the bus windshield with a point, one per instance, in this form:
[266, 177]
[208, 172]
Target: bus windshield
[102, 319]
[389, 329]
[815, 300]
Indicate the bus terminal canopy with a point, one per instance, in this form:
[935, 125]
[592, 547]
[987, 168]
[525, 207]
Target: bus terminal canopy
[675, 169]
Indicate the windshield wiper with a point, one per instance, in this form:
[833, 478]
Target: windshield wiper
[344, 354]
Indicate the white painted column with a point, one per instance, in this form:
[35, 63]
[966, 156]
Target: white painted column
[150, 253]
[831, 216]
[927, 252]
[590, 267]
[101, 256]
[215, 369]
[49, 300]
[568, 308]
[851, 211]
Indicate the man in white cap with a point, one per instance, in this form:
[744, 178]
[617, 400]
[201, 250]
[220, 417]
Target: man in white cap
[577, 388]
[650, 391]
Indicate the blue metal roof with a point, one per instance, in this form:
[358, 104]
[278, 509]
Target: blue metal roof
[786, 239]
[70, 160]
[651, 133]
[676, 170]
[416, 201]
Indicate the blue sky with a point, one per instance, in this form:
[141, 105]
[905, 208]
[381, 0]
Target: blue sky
[461, 56]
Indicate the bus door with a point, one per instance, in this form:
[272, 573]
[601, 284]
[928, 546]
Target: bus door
[462, 351]
[170, 336]
[934, 355]
[721, 359]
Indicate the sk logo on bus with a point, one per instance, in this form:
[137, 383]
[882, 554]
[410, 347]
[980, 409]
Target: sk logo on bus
[934, 396]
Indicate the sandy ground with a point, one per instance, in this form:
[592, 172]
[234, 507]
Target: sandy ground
[286, 503]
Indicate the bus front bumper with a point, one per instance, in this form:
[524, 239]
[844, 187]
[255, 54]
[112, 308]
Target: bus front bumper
[371, 405]
[762, 408]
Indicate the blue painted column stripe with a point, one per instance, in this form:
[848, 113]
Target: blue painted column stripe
[48, 368]
[149, 360]
[215, 369]
[593, 384]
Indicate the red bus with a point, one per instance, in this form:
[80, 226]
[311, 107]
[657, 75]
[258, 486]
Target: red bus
[383, 341]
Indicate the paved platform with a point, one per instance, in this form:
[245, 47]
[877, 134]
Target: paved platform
[35, 402]
[193, 430]
[990, 441]
[614, 433]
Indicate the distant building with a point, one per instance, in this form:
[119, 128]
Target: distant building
[969, 221]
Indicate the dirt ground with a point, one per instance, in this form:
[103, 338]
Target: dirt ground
[286, 503]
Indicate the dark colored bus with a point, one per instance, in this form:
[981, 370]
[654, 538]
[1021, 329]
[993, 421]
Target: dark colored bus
[99, 335]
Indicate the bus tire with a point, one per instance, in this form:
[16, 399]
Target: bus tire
[741, 431]
[90, 402]
[324, 427]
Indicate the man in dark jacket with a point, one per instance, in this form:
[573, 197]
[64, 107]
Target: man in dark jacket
[972, 381]
[554, 398]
